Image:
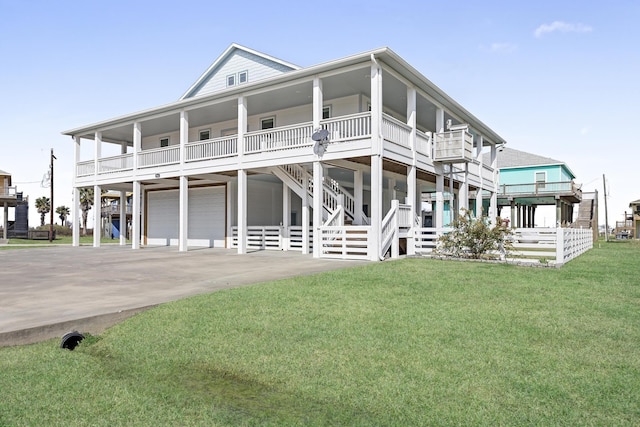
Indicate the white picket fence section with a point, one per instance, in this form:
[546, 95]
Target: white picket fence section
[273, 237]
[552, 245]
[351, 242]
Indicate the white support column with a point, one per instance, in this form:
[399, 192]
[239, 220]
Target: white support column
[137, 144]
[75, 207]
[231, 191]
[184, 136]
[242, 211]
[305, 225]
[286, 216]
[135, 215]
[123, 218]
[317, 207]
[439, 211]
[395, 242]
[439, 120]
[183, 232]
[463, 194]
[481, 169]
[242, 127]
[97, 215]
[376, 107]
[317, 102]
[376, 206]
[412, 183]
[493, 206]
[5, 221]
[358, 189]
[97, 152]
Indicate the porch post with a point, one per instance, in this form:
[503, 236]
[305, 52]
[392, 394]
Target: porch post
[514, 219]
[317, 207]
[184, 136]
[558, 213]
[463, 194]
[123, 218]
[376, 159]
[75, 208]
[411, 200]
[533, 215]
[439, 220]
[286, 216]
[481, 173]
[305, 225]
[137, 145]
[5, 221]
[242, 127]
[97, 152]
[357, 196]
[242, 211]
[230, 212]
[183, 233]
[493, 206]
[376, 206]
[135, 215]
[97, 215]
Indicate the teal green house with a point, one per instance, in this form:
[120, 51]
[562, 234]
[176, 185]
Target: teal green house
[527, 181]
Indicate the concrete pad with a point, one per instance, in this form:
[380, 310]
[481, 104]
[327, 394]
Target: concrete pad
[45, 292]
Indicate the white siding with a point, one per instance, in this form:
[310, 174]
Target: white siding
[258, 67]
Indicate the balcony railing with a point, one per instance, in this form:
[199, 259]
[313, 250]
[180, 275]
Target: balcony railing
[566, 187]
[282, 138]
[453, 147]
[212, 148]
[123, 162]
[159, 156]
[395, 131]
[8, 192]
[348, 128]
[114, 210]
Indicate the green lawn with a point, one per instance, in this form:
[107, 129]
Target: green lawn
[409, 342]
[61, 240]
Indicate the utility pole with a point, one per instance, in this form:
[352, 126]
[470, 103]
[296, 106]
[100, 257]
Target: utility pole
[606, 212]
[51, 203]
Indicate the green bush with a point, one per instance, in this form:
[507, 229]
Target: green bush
[475, 238]
[59, 229]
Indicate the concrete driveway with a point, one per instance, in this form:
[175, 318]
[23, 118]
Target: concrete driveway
[46, 292]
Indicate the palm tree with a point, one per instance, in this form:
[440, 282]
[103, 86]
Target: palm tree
[43, 206]
[86, 201]
[63, 212]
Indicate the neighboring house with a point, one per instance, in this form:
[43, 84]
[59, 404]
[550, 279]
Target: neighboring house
[528, 181]
[259, 153]
[11, 198]
[630, 227]
[114, 221]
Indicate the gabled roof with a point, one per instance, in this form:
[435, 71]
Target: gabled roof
[636, 202]
[258, 58]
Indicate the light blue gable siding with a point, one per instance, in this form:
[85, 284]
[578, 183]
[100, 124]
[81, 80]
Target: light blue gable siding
[527, 175]
[258, 68]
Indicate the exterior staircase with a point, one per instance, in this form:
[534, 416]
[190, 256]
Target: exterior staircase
[585, 214]
[301, 182]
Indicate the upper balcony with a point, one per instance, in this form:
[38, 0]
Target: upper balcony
[348, 135]
[10, 196]
[566, 189]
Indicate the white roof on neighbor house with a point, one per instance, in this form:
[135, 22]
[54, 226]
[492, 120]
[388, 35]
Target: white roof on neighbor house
[233, 61]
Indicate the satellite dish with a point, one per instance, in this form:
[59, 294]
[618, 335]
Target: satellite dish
[321, 135]
[321, 138]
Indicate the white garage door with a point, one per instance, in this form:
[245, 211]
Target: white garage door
[206, 222]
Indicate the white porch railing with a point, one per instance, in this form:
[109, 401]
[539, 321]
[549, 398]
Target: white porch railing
[123, 162]
[211, 148]
[393, 130]
[159, 156]
[423, 143]
[280, 138]
[85, 168]
[272, 237]
[350, 127]
[351, 242]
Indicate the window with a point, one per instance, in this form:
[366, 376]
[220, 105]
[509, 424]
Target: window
[326, 112]
[268, 123]
[243, 77]
[205, 134]
[541, 178]
[164, 142]
[231, 80]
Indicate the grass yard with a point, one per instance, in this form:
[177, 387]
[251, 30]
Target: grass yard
[409, 342]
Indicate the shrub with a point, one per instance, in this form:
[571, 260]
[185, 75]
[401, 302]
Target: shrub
[475, 238]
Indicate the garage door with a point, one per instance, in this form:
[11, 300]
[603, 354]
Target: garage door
[206, 217]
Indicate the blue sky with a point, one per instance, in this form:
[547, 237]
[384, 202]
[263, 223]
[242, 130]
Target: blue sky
[554, 78]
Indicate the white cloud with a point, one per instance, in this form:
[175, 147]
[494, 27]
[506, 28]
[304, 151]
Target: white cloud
[499, 48]
[563, 27]
[503, 47]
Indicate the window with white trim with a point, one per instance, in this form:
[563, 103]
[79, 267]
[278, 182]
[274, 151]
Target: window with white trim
[204, 134]
[231, 80]
[326, 112]
[164, 142]
[541, 178]
[267, 123]
[243, 77]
